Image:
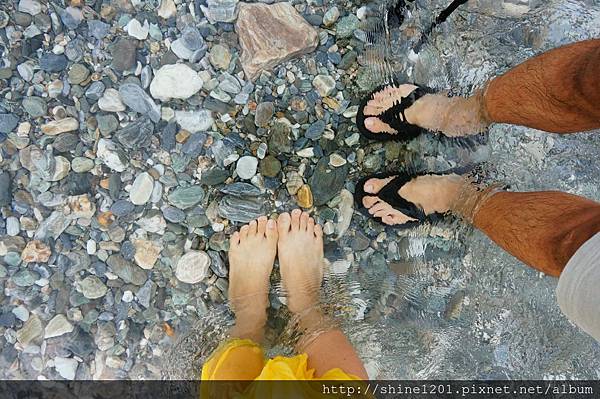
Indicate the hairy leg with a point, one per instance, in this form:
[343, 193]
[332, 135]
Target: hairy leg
[557, 91]
[542, 229]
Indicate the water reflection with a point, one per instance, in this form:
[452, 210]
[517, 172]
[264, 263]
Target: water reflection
[439, 300]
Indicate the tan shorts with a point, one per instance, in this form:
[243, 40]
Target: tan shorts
[578, 290]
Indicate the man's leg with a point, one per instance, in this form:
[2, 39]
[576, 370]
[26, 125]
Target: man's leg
[550, 231]
[301, 264]
[558, 234]
[542, 229]
[557, 91]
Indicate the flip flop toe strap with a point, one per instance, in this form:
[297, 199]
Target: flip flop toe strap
[391, 116]
[389, 194]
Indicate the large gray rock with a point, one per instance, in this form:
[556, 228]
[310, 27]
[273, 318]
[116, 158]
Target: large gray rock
[241, 209]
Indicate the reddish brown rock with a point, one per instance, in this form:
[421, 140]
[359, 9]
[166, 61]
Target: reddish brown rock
[272, 34]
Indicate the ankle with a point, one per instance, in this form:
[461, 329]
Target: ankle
[249, 325]
[470, 197]
[303, 305]
[311, 323]
[452, 116]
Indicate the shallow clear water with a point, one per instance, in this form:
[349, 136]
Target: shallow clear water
[442, 301]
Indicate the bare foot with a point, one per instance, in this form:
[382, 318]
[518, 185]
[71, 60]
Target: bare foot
[452, 116]
[301, 259]
[432, 193]
[252, 253]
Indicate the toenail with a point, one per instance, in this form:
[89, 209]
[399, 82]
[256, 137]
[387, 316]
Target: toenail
[369, 187]
[271, 224]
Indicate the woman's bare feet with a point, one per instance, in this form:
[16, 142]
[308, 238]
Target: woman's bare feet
[252, 253]
[301, 259]
[301, 263]
[452, 116]
[432, 193]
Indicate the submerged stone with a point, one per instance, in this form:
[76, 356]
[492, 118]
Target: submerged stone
[241, 190]
[51, 62]
[124, 54]
[138, 100]
[193, 267]
[136, 134]
[241, 209]
[326, 181]
[126, 271]
[175, 81]
[272, 34]
[186, 197]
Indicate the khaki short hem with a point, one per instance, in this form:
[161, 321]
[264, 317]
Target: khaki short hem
[578, 291]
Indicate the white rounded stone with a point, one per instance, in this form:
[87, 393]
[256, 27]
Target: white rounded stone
[246, 167]
[141, 189]
[193, 267]
[90, 247]
[175, 81]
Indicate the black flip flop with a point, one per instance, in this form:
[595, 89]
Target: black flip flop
[389, 194]
[406, 131]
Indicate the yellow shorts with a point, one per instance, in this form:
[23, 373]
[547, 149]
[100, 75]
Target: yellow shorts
[243, 359]
[241, 363]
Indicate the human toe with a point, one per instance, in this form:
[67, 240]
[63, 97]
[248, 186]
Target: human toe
[244, 232]
[283, 223]
[261, 225]
[234, 240]
[376, 125]
[296, 213]
[271, 230]
[374, 185]
[304, 221]
[310, 226]
[369, 201]
[252, 228]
